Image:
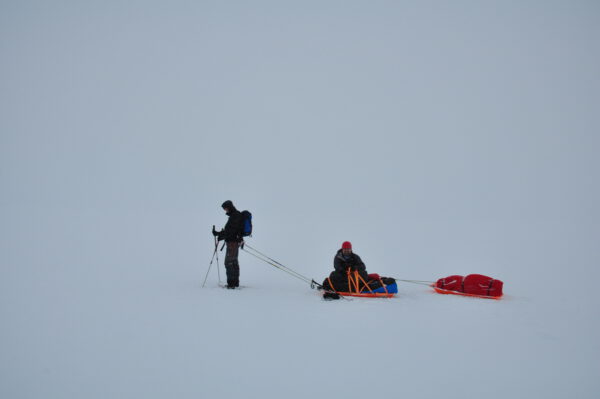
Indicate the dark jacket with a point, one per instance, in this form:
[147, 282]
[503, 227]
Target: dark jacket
[352, 261]
[234, 228]
[341, 264]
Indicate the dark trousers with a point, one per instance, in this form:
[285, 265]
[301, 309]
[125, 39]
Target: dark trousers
[232, 267]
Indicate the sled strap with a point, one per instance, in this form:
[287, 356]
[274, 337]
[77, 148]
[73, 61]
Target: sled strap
[331, 285]
[383, 285]
[358, 276]
[490, 287]
[353, 282]
[350, 283]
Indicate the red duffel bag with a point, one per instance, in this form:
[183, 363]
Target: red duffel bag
[478, 284]
[452, 283]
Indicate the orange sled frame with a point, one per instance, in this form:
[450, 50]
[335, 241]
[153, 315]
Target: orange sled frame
[357, 285]
[449, 292]
[367, 295]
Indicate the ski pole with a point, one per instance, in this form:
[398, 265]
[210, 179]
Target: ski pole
[211, 262]
[218, 268]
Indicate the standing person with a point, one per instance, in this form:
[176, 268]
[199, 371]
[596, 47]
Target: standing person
[232, 234]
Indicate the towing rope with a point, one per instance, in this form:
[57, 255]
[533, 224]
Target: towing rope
[422, 282]
[259, 255]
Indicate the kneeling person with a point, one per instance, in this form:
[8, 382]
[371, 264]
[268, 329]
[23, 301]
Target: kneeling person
[346, 263]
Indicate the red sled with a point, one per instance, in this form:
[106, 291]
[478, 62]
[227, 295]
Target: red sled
[473, 285]
[443, 291]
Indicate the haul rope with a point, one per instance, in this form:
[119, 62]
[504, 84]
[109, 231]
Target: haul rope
[259, 255]
[422, 282]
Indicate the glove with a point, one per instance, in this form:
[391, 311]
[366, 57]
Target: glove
[215, 232]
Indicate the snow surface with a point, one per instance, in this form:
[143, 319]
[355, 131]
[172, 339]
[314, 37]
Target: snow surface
[439, 137]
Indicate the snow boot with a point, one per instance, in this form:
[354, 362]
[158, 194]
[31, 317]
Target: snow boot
[330, 296]
[232, 284]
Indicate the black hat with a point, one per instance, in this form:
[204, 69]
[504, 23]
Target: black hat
[227, 205]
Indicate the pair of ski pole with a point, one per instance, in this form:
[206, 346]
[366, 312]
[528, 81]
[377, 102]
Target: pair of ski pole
[215, 255]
